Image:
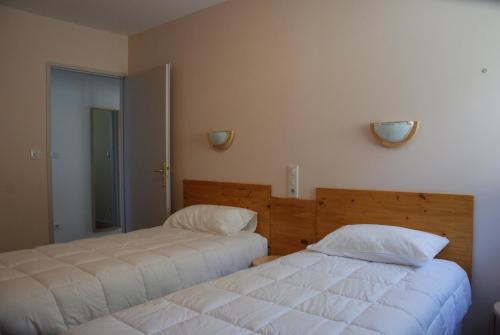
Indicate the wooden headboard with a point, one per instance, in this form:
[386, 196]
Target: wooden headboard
[291, 224]
[448, 215]
[254, 197]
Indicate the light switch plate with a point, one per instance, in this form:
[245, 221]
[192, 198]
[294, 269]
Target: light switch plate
[35, 155]
[293, 181]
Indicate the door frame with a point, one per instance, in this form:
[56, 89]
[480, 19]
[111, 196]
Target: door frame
[168, 191]
[121, 180]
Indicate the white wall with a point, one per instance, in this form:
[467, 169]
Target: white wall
[300, 80]
[72, 96]
[27, 43]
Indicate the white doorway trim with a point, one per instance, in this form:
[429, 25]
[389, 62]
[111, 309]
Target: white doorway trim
[97, 72]
[168, 191]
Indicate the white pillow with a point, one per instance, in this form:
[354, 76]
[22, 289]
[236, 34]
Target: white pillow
[223, 220]
[385, 244]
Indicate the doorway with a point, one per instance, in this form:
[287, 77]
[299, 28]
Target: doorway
[85, 117]
[109, 145]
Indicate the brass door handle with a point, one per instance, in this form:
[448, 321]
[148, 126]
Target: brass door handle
[159, 171]
[164, 172]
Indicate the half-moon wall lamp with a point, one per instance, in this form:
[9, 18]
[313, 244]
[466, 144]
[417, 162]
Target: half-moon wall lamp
[394, 134]
[221, 139]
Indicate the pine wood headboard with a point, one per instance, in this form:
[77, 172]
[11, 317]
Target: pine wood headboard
[447, 215]
[291, 224]
[251, 196]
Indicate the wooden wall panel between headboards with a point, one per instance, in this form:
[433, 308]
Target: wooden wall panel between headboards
[293, 225]
[254, 197]
[442, 214]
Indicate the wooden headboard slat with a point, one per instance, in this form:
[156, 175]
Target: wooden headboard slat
[251, 196]
[448, 215]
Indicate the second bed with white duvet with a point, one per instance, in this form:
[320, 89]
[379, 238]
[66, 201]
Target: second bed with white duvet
[306, 293]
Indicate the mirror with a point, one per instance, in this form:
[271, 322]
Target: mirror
[104, 168]
[394, 134]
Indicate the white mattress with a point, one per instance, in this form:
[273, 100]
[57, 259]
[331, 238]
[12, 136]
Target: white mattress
[47, 289]
[306, 293]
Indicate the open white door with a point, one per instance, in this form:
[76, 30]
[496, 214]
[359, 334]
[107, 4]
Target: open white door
[147, 148]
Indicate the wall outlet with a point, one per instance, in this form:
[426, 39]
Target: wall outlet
[293, 181]
[35, 155]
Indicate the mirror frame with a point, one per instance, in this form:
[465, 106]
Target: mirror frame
[116, 188]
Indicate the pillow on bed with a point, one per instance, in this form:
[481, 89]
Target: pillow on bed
[385, 244]
[223, 220]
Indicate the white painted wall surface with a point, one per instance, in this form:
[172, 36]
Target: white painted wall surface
[27, 43]
[300, 80]
[72, 96]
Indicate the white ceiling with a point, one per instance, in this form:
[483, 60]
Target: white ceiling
[125, 17]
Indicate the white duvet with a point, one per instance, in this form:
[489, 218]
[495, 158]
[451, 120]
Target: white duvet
[47, 289]
[306, 293]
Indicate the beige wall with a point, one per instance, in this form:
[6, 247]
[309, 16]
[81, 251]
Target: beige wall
[27, 43]
[299, 81]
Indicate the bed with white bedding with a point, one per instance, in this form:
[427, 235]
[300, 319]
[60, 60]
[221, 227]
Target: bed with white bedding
[50, 288]
[306, 293]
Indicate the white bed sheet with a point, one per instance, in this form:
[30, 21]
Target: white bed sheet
[306, 293]
[47, 289]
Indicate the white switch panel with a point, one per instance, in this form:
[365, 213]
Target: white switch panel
[293, 181]
[35, 154]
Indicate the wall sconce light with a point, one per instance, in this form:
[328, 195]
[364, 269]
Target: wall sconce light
[221, 139]
[394, 134]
